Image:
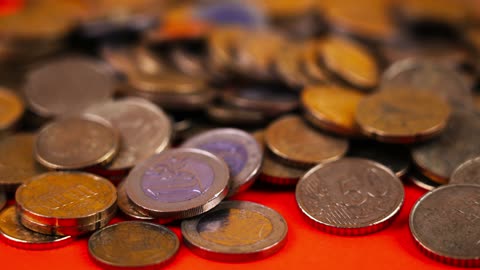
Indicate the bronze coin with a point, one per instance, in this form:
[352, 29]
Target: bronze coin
[292, 140]
[11, 109]
[76, 143]
[467, 173]
[402, 116]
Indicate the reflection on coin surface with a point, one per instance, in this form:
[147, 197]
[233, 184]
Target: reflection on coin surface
[350, 196]
[17, 235]
[76, 142]
[178, 183]
[237, 148]
[127, 207]
[11, 109]
[291, 139]
[421, 180]
[458, 143]
[144, 129]
[66, 86]
[402, 116]
[444, 223]
[236, 231]
[17, 164]
[467, 173]
[133, 244]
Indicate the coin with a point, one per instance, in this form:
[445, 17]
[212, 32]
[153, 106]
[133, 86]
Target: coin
[178, 183]
[421, 180]
[226, 114]
[11, 107]
[292, 140]
[144, 129]
[350, 196]
[458, 143]
[310, 61]
[288, 66]
[444, 224]
[133, 244]
[127, 207]
[236, 231]
[238, 149]
[15, 234]
[66, 86]
[17, 164]
[467, 173]
[402, 116]
[60, 202]
[76, 142]
[222, 50]
[332, 108]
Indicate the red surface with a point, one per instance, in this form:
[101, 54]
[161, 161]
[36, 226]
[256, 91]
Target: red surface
[307, 247]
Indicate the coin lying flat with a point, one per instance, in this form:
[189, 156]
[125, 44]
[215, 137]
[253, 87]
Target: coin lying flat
[402, 116]
[76, 142]
[144, 129]
[127, 207]
[467, 173]
[350, 196]
[11, 107]
[292, 140]
[133, 244]
[420, 180]
[59, 202]
[17, 235]
[444, 224]
[178, 183]
[236, 231]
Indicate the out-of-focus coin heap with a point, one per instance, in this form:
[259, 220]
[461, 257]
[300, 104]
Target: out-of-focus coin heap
[184, 104]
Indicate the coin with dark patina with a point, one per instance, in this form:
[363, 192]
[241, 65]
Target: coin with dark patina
[133, 244]
[12, 109]
[178, 183]
[127, 207]
[350, 196]
[15, 234]
[402, 116]
[467, 173]
[444, 224]
[420, 180]
[76, 142]
[236, 231]
[292, 140]
[458, 143]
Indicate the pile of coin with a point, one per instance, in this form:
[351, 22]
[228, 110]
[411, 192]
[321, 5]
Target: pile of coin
[339, 100]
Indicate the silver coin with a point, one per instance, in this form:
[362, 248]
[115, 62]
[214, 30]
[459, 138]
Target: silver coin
[467, 173]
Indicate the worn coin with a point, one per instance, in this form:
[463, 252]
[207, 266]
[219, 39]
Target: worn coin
[292, 140]
[467, 173]
[15, 234]
[76, 142]
[237, 148]
[11, 109]
[178, 183]
[402, 116]
[458, 143]
[127, 207]
[236, 231]
[350, 196]
[133, 244]
[444, 224]
[420, 180]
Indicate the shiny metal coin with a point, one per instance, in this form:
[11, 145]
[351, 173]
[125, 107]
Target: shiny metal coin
[467, 173]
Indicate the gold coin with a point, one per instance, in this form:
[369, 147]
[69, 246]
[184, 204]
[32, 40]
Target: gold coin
[11, 109]
[402, 116]
[332, 108]
[310, 61]
[292, 140]
[350, 62]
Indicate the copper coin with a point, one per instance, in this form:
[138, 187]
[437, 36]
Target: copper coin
[133, 244]
[76, 142]
[237, 148]
[439, 158]
[144, 129]
[292, 140]
[127, 207]
[467, 173]
[236, 231]
[15, 234]
[67, 86]
[17, 161]
[402, 116]
[178, 183]
[11, 109]
[59, 202]
[350, 196]
[332, 108]
[310, 61]
[444, 224]
[420, 180]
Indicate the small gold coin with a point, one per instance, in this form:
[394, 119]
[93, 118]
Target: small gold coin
[403, 116]
[332, 108]
[11, 109]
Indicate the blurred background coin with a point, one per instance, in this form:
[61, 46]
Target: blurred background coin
[467, 173]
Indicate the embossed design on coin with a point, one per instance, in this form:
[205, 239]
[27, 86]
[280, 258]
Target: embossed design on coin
[11, 109]
[444, 222]
[236, 230]
[350, 196]
[127, 207]
[133, 244]
[76, 142]
[467, 173]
